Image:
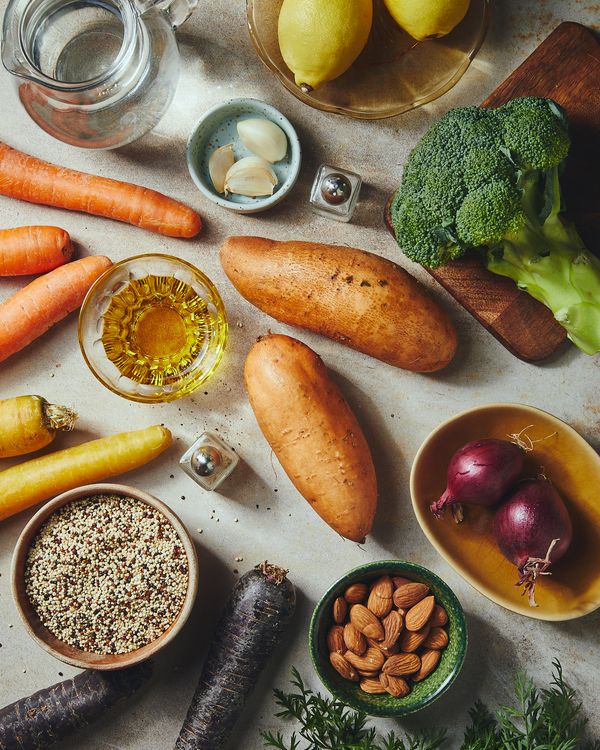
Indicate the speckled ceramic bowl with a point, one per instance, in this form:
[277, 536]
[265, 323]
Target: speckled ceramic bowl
[423, 693]
[218, 127]
[31, 620]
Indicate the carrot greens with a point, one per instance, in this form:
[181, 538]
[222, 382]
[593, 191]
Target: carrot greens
[328, 724]
[542, 719]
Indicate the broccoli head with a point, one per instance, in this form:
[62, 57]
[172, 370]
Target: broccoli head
[489, 179]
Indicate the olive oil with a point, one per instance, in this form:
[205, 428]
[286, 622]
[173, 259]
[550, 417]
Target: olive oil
[157, 329]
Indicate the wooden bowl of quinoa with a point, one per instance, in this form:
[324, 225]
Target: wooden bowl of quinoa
[104, 576]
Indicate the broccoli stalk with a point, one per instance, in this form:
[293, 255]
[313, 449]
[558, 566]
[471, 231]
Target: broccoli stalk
[490, 179]
[548, 260]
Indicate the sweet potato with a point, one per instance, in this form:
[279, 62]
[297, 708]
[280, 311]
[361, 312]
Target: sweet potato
[354, 297]
[313, 433]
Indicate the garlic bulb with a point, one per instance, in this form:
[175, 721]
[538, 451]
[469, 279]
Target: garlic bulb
[251, 176]
[263, 138]
[221, 160]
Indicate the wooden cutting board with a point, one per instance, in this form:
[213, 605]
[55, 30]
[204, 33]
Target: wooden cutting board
[566, 68]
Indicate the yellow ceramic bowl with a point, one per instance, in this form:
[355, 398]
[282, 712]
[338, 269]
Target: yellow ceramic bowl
[567, 459]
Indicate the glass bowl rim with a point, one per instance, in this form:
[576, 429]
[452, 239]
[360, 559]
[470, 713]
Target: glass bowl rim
[266, 59]
[84, 310]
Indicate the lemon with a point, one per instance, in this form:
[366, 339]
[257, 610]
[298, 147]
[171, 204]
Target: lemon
[425, 19]
[320, 39]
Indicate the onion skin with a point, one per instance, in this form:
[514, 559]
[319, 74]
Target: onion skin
[533, 529]
[480, 473]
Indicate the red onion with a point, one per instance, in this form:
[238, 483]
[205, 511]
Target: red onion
[533, 529]
[480, 473]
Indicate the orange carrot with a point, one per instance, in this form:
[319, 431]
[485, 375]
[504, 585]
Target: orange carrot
[30, 179]
[37, 307]
[28, 250]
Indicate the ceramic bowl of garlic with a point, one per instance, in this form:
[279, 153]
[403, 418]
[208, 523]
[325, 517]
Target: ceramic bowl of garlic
[244, 155]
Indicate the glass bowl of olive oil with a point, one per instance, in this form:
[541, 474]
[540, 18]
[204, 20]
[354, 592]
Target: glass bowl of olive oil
[153, 328]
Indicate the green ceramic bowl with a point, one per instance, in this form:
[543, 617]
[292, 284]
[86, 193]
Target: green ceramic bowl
[423, 693]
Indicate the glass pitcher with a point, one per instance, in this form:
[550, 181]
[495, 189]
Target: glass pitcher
[94, 73]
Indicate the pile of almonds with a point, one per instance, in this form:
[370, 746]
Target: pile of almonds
[387, 634]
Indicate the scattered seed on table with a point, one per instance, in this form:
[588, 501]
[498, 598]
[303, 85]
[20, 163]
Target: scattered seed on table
[107, 574]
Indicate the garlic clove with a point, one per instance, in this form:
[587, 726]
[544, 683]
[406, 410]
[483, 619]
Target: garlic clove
[221, 160]
[264, 138]
[252, 176]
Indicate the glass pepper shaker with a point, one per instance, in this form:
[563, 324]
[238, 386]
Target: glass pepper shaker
[209, 461]
[335, 192]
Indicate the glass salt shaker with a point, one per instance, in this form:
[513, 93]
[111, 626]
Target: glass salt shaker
[209, 461]
[335, 192]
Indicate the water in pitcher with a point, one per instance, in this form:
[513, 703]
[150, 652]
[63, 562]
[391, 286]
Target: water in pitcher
[93, 73]
[81, 44]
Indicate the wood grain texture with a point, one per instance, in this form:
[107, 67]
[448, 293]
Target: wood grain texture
[566, 68]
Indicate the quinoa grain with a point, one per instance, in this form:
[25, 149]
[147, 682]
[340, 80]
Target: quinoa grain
[107, 574]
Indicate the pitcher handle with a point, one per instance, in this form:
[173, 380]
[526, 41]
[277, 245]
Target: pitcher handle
[177, 11]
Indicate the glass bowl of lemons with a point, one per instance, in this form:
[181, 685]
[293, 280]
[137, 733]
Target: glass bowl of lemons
[389, 57]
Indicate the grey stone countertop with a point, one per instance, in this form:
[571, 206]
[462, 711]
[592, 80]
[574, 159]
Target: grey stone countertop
[260, 515]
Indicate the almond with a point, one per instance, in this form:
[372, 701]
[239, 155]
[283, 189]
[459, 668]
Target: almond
[371, 661]
[409, 594]
[437, 639]
[366, 673]
[402, 664]
[354, 639]
[380, 600]
[439, 617]
[418, 616]
[357, 593]
[385, 650]
[372, 685]
[400, 581]
[366, 622]
[343, 667]
[392, 627]
[383, 587]
[335, 639]
[395, 686]
[340, 610]
[410, 641]
[429, 661]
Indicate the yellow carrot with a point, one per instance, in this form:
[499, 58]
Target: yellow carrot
[28, 423]
[31, 482]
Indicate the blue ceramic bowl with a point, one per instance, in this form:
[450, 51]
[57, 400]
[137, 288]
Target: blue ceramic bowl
[422, 693]
[218, 127]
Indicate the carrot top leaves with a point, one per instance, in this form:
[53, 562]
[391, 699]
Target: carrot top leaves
[542, 719]
[328, 724]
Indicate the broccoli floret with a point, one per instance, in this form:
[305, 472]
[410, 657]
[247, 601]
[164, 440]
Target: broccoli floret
[488, 213]
[489, 179]
[482, 166]
[535, 132]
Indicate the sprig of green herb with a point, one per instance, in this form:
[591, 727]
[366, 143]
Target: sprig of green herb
[547, 719]
[328, 724]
